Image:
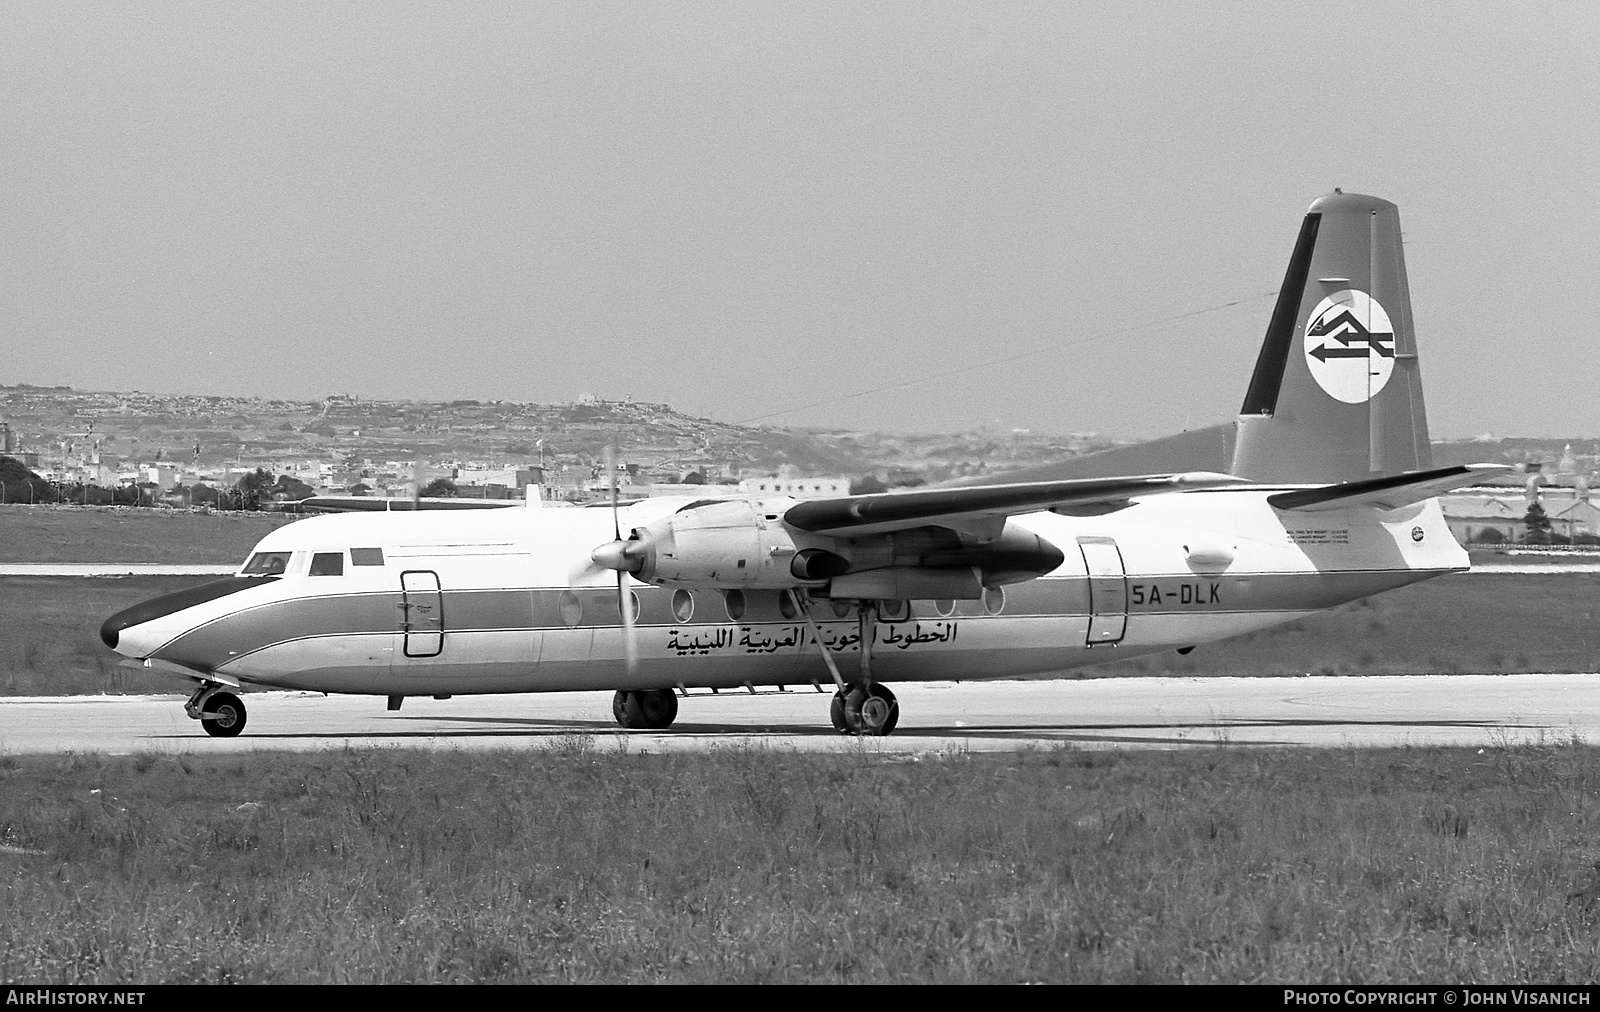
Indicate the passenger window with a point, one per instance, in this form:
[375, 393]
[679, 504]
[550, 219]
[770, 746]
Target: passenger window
[682, 605]
[366, 556]
[327, 564]
[994, 600]
[571, 607]
[267, 564]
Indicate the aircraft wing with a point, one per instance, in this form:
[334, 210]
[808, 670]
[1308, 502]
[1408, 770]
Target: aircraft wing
[883, 512]
[1390, 492]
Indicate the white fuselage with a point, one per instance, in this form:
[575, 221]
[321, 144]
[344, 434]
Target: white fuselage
[510, 601]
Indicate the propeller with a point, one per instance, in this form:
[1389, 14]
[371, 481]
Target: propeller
[615, 556]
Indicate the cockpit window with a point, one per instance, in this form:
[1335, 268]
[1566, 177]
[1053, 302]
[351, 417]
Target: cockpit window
[366, 556]
[327, 564]
[267, 564]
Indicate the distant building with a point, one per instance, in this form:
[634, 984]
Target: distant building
[1470, 516]
[511, 477]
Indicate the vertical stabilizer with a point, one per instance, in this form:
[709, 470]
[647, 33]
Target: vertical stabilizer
[1336, 394]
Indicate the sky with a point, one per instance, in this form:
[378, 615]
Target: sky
[907, 216]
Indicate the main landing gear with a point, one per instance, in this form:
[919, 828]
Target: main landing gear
[220, 713]
[863, 707]
[645, 709]
[869, 710]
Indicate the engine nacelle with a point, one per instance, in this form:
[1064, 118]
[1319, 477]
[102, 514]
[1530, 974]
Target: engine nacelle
[737, 543]
[744, 544]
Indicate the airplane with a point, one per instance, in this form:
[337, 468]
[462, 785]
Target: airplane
[1327, 495]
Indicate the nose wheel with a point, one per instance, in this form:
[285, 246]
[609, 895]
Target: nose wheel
[222, 715]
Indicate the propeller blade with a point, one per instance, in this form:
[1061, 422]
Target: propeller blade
[611, 472]
[630, 644]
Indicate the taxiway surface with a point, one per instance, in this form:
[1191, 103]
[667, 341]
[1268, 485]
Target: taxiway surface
[1363, 712]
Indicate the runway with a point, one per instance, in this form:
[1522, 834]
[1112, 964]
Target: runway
[1173, 713]
[115, 569]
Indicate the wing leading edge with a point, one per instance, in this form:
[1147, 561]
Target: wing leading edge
[884, 512]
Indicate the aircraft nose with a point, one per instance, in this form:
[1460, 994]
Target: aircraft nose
[167, 604]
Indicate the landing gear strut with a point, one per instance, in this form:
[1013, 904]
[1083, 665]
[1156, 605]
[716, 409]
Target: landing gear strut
[220, 713]
[645, 709]
[862, 707]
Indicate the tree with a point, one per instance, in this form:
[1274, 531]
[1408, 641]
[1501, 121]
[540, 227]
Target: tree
[292, 488]
[439, 488]
[1538, 524]
[258, 481]
[18, 484]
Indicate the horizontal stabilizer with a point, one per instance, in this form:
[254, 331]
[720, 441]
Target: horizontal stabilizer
[1389, 492]
[880, 513]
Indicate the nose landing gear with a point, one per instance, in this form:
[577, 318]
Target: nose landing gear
[221, 713]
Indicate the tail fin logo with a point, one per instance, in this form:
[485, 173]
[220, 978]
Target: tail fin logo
[1350, 346]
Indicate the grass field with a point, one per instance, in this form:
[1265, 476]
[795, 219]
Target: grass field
[50, 633]
[127, 534]
[579, 865]
[1468, 624]
[50, 640]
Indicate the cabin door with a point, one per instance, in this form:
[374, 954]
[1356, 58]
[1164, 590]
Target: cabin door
[421, 613]
[1108, 590]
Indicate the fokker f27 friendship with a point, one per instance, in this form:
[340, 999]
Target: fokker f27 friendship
[1327, 496]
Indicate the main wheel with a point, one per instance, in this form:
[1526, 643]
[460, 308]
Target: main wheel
[659, 707]
[646, 709]
[836, 713]
[222, 715]
[871, 711]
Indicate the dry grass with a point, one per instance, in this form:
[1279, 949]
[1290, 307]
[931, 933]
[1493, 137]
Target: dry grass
[583, 865]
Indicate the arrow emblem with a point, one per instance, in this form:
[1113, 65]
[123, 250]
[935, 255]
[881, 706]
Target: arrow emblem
[1325, 352]
[1350, 325]
[1359, 341]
